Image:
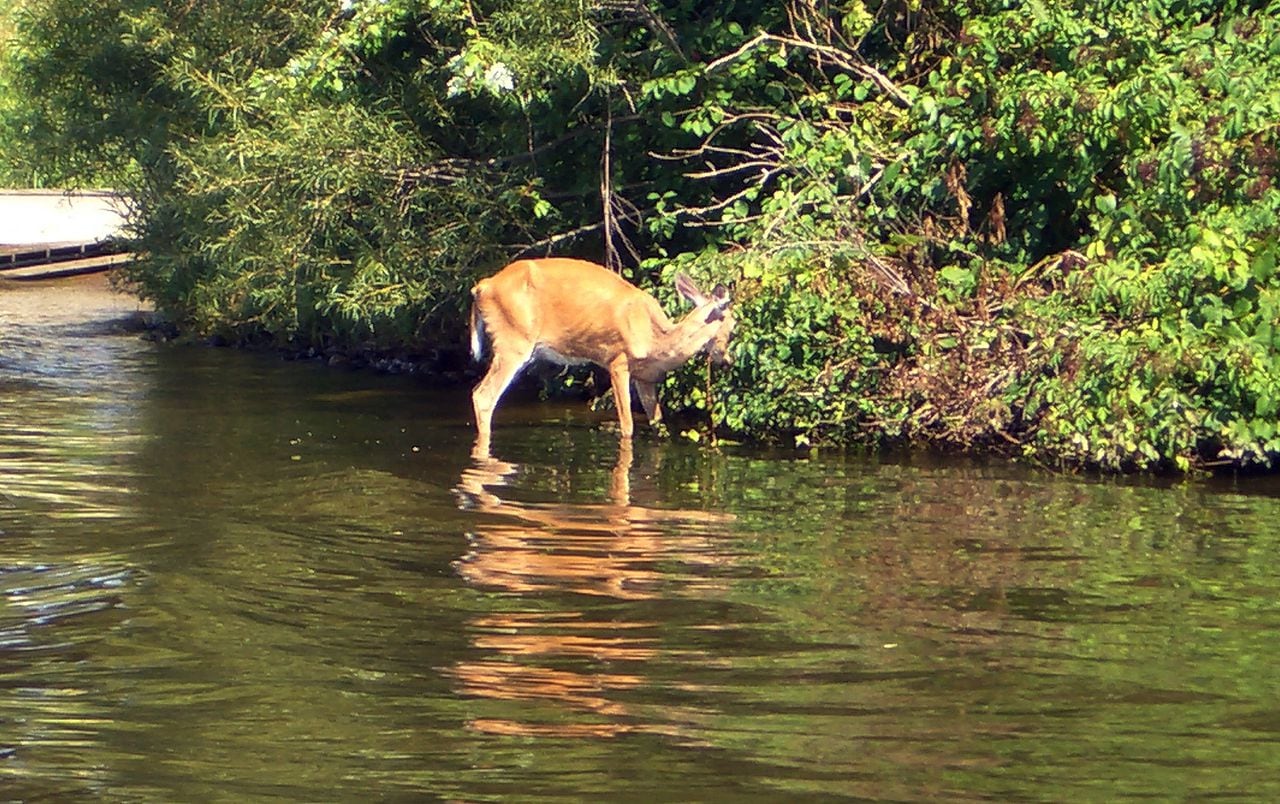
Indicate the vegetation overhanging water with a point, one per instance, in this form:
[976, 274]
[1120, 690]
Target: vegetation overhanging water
[986, 225]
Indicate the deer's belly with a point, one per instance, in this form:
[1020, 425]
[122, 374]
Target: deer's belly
[552, 356]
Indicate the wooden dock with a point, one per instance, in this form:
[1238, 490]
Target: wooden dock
[46, 234]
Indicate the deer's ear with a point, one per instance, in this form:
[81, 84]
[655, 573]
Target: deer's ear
[686, 287]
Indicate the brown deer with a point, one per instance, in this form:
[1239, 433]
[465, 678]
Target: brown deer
[573, 312]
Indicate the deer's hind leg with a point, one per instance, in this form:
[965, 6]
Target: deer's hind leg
[648, 393]
[503, 368]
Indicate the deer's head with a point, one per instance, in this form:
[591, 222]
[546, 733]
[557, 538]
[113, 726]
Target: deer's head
[716, 312]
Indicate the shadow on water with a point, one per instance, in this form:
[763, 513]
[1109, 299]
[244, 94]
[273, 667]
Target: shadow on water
[223, 576]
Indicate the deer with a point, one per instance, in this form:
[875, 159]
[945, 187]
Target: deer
[573, 312]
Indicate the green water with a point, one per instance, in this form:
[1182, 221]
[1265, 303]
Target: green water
[228, 577]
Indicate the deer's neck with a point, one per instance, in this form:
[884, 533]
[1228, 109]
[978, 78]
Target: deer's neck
[677, 342]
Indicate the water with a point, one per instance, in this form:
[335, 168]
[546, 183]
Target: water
[225, 577]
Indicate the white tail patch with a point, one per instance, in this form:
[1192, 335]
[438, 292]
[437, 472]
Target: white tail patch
[477, 334]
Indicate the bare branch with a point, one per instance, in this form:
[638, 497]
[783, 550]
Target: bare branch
[718, 172]
[744, 49]
[656, 25]
[765, 175]
[606, 194]
[662, 31]
[845, 59]
[554, 240]
[885, 274]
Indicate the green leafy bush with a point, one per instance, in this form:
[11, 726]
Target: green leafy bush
[804, 369]
[1047, 228]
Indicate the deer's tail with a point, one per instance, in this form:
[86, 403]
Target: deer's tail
[477, 326]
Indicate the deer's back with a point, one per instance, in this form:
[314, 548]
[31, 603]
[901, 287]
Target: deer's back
[568, 310]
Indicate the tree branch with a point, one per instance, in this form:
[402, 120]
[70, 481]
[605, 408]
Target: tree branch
[847, 60]
[547, 242]
[656, 25]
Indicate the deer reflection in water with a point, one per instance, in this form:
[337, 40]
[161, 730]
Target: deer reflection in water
[555, 651]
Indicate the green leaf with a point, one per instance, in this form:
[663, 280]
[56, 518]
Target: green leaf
[891, 171]
[1263, 266]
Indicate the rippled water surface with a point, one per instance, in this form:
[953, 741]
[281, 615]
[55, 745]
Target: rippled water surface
[225, 576]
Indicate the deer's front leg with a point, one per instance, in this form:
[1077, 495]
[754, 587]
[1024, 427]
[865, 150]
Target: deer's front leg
[620, 374]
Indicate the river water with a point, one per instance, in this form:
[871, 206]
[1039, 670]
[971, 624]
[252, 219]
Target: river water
[224, 576]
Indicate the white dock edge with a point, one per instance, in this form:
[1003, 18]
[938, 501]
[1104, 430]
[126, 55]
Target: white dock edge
[55, 216]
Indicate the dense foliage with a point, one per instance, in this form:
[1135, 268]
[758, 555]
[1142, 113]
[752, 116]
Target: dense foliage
[1045, 227]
